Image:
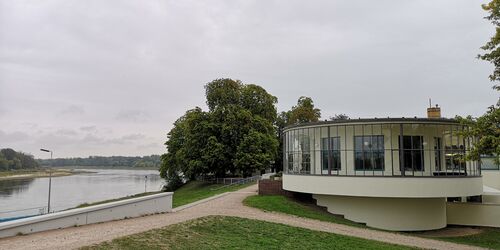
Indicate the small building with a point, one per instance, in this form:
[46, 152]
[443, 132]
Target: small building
[391, 173]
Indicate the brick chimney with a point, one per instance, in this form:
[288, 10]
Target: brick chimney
[433, 112]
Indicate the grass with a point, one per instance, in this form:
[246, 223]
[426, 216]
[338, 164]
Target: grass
[219, 232]
[281, 204]
[197, 190]
[113, 200]
[489, 238]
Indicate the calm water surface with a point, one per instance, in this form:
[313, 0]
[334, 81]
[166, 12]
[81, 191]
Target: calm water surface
[71, 191]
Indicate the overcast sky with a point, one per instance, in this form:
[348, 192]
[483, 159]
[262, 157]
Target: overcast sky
[110, 77]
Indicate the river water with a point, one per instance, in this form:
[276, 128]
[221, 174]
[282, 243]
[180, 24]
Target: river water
[31, 195]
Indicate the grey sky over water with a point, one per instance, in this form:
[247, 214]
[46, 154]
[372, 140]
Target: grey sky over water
[110, 77]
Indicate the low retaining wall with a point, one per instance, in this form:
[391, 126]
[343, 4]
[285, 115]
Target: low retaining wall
[473, 214]
[272, 187]
[135, 207]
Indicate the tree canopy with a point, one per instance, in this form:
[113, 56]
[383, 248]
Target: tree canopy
[492, 47]
[235, 136]
[303, 112]
[486, 129]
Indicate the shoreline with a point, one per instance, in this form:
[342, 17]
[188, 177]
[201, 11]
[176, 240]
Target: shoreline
[40, 174]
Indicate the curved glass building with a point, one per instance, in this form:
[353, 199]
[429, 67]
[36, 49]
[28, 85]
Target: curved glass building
[391, 173]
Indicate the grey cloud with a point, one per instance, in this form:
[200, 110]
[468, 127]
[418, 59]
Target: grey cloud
[6, 138]
[127, 139]
[157, 146]
[133, 116]
[66, 132]
[73, 110]
[88, 129]
[92, 139]
[109, 70]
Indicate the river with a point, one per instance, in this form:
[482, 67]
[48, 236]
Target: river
[30, 195]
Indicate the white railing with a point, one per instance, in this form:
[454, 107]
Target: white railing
[239, 181]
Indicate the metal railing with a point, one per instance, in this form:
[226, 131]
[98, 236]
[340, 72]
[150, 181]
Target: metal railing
[21, 213]
[239, 182]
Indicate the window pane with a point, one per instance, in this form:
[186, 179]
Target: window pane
[369, 152]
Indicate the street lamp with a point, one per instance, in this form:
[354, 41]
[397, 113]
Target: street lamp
[50, 177]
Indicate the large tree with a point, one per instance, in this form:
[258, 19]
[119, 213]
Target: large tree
[235, 136]
[492, 47]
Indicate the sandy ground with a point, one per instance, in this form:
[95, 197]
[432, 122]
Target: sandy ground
[42, 174]
[229, 204]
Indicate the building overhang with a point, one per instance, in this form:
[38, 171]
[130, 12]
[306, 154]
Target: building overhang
[385, 186]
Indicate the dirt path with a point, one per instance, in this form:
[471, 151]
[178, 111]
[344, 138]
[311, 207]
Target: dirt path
[229, 204]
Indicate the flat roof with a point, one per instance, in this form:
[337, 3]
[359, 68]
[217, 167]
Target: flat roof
[377, 120]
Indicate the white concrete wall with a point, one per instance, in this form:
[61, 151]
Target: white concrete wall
[393, 214]
[491, 178]
[391, 187]
[151, 204]
[473, 214]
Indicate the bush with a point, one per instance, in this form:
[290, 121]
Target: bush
[174, 182]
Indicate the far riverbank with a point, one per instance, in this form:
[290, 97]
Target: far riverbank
[38, 173]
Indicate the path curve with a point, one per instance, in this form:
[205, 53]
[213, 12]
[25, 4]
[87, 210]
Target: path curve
[229, 204]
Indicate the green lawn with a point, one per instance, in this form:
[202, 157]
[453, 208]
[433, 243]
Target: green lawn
[219, 232]
[190, 192]
[489, 238]
[281, 204]
[197, 190]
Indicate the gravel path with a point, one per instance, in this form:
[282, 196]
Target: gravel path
[229, 204]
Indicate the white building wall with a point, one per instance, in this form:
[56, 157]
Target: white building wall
[395, 214]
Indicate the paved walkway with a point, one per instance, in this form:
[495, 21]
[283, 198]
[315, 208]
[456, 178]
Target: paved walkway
[229, 204]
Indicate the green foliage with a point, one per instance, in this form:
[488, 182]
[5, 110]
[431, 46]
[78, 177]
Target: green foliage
[238, 126]
[281, 204]
[220, 232]
[152, 161]
[255, 151]
[12, 160]
[304, 112]
[487, 131]
[492, 47]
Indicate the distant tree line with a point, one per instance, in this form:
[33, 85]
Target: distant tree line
[152, 161]
[12, 160]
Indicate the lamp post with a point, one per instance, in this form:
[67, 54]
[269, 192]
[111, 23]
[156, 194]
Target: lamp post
[50, 177]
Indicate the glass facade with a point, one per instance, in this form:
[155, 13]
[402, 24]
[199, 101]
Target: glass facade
[330, 154]
[393, 147]
[369, 152]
